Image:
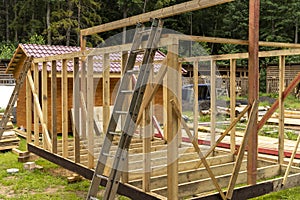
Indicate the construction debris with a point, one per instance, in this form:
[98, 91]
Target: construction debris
[74, 178]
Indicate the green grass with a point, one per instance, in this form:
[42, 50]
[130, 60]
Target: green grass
[37, 184]
[288, 194]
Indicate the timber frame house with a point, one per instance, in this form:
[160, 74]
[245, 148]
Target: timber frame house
[162, 173]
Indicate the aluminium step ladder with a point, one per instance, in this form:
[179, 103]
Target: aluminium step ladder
[14, 95]
[129, 127]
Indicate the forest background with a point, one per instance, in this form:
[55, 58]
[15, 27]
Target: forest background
[58, 22]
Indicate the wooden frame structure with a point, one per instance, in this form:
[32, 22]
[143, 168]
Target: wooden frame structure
[178, 176]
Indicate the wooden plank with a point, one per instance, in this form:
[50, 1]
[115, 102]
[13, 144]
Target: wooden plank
[204, 185]
[287, 171]
[194, 141]
[35, 115]
[230, 41]
[90, 109]
[44, 101]
[160, 13]
[213, 99]
[241, 152]
[262, 54]
[106, 91]
[36, 101]
[54, 106]
[171, 121]
[253, 78]
[160, 170]
[83, 97]
[196, 103]
[64, 95]
[281, 109]
[190, 175]
[232, 102]
[76, 105]
[29, 113]
[148, 130]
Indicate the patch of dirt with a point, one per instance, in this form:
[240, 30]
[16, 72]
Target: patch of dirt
[7, 191]
[60, 172]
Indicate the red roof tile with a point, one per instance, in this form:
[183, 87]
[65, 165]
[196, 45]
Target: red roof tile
[38, 51]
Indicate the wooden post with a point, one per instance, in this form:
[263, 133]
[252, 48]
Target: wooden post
[148, 130]
[147, 137]
[83, 97]
[253, 87]
[232, 102]
[213, 102]
[281, 110]
[29, 114]
[64, 95]
[76, 105]
[44, 100]
[35, 115]
[196, 104]
[54, 106]
[106, 91]
[90, 111]
[171, 123]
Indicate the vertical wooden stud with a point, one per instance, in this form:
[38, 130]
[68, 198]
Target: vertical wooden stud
[171, 122]
[35, 115]
[106, 92]
[281, 109]
[213, 99]
[90, 111]
[147, 137]
[76, 105]
[64, 95]
[232, 102]
[253, 70]
[83, 97]
[196, 103]
[54, 106]
[44, 100]
[29, 112]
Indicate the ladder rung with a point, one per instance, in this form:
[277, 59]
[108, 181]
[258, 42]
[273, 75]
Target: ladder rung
[133, 71]
[114, 133]
[138, 51]
[144, 32]
[101, 176]
[121, 112]
[108, 155]
[127, 91]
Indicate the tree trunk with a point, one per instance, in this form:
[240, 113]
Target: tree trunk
[15, 13]
[125, 11]
[68, 33]
[296, 32]
[145, 6]
[6, 21]
[48, 23]
[79, 21]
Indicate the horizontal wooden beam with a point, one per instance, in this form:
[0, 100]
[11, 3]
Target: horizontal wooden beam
[229, 41]
[160, 13]
[262, 54]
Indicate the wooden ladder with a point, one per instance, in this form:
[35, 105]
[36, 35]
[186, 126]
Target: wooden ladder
[131, 114]
[14, 95]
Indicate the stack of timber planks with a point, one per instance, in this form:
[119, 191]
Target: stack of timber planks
[9, 140]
